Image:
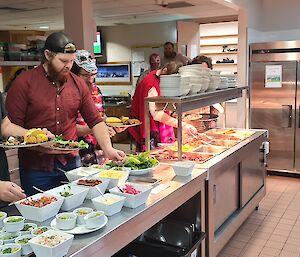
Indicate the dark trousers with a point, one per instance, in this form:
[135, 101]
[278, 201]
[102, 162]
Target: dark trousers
[46, 180]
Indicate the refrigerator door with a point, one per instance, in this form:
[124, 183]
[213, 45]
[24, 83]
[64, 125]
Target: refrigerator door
[297, 131]
[274, 109]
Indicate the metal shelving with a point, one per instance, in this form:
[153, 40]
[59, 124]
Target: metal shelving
[188, 103]
[19, 63]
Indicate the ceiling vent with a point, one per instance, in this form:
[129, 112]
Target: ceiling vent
[180, 4]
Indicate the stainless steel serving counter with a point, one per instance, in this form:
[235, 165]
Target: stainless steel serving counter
[124, 227]
[235, 185]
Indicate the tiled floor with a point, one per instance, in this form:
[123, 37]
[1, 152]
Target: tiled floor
[274, 229]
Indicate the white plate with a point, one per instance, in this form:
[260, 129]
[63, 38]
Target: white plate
[25, 145]
[79, 229]
[142, 171]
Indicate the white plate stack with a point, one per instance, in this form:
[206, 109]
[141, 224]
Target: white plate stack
[229, 79]
[199, 77]
[173, 85]
[215, 80]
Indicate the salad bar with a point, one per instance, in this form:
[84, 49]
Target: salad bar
[103, 202]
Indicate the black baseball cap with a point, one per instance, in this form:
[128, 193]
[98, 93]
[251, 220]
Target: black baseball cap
[59, 42]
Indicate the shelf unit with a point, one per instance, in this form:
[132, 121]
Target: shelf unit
[19, 63]
[188, 103]
[213, 36]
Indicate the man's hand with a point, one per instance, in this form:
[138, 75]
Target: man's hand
[49, 134]
[115, 155]
[10, 192]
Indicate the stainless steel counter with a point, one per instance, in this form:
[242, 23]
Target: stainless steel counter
[124, 227]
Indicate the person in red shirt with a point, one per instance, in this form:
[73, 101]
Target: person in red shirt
[50, 96]
[85, 67]
[161, 123]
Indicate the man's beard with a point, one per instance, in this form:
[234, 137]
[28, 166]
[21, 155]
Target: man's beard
[56, 76]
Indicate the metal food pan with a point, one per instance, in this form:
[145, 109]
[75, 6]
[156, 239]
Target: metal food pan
[224, 143]
[212, 149]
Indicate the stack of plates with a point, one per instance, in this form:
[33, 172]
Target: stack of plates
[223, 82]
[173, 85]
[231, 79]
[215, 80]
[199, 77]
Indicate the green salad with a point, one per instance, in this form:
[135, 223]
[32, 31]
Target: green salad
[9, 250]
[27, 227]
[136, 161]
[8, 237]
[23, 241]
[12, 219]
[2, 214]
[61, 143]
[66, 192]
[65, 217]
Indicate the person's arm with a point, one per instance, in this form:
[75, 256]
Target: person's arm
[10, 192]
[101, 133]
[83, 130]
[161, 116]
[11, 129]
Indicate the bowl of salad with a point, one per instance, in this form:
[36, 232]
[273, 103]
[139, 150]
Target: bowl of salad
[138, 164]
[116, 177]
[72, 194]
[136, 194]
[109, 203]
[24, 242]
[3, 215]
[39, 207]
[13, 223]
[81, 213]
[94, 219]
[66, 220]
[80, 173]
[51, 244]
[10, 250]
[7, 237]
[40, 230]
[28, 227]
[93, 184]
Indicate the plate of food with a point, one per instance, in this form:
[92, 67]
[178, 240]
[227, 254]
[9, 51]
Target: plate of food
[34, 137]
[139, 164]
[59, 143]
[123, 122]
[79, 229]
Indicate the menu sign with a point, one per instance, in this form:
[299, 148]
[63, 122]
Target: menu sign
[273, 76]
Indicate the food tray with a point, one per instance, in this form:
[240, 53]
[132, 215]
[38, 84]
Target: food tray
[168, 155]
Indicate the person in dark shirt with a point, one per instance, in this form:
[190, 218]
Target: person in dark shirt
[9, 191]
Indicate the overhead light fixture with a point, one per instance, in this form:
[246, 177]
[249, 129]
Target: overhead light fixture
[228, 1]
[44, 27]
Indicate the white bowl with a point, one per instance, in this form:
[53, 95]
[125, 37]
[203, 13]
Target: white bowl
[109, 207]
[13, 223]
[12, 236]
[93, 191]
[39, 214]
[183, 168]
[79, 193]
[80, 173]
[3, 215]
[13, 246]
[40, 230]
[94, 219]
[133, 201]
[80, 217]
[29, 227]
[1, 242]
[113, 181]
[26, 248]
[57, 250]
[66, 220]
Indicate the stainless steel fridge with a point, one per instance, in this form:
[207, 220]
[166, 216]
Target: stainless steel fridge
[275, 100]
